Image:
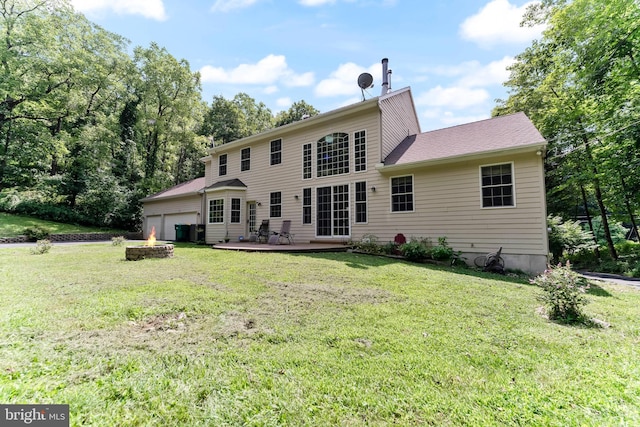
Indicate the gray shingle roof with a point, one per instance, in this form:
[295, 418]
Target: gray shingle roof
[486, 136]
[227, 183]
[189, 187]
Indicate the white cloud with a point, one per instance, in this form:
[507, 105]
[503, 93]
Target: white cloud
[267, 71]
[152, 9]
[495, 73]
[314, 3]
[284, 102]
[228, 5]
[498, 22]
[456, 97]
[270, 89]
[344, 81]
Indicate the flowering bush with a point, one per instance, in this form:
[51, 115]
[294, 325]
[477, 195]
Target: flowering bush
[564, 291]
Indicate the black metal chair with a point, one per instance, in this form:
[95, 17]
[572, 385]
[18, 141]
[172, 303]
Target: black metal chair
[262, 235]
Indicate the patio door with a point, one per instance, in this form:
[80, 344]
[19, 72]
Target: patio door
[251, 218]
[332, 211]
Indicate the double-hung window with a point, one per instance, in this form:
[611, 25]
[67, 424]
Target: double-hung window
[276, 152]
[360, 151]
[361, 202]
[402, 194]
[306, 161]
[235, 210]
[497, 185]
[245, 159]
[222, 164]
[306, 206]
[275, 205]
[216, 211]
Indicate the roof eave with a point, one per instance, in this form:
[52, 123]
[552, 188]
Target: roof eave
[225, 188]
[174, 196]
[538, 146]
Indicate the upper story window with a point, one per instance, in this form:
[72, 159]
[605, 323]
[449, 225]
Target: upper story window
[333, 155]
[306, 161]
[275, 206]
[276, 152]
[222, 164]
[497, 185]
[245, 159]
[360, 151]
[402, 194]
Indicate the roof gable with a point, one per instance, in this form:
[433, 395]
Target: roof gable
[487, 136]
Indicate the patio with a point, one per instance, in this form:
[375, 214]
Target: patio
[298, 247]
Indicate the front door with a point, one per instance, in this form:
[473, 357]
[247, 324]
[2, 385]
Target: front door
[332, 218]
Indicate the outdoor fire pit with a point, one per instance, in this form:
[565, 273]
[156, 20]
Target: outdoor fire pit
[149, 250]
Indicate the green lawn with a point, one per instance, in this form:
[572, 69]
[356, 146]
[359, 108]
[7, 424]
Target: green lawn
[14, 225]
[230, 338]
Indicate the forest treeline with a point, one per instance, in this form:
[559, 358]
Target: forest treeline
[88, 129]
[580, 85]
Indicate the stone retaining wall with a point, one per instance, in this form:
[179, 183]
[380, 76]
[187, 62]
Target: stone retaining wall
[76, 237]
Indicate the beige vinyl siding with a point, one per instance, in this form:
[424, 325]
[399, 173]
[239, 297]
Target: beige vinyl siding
[447, 204]
[286, 177]
[399, 120]
[216, 232]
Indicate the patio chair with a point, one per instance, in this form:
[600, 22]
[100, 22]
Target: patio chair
[285, 233]
[262, 235]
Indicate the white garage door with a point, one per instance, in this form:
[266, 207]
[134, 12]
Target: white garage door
[170, 221]
[152, 221]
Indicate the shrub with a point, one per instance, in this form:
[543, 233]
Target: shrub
[42, 247]
[118, 240]
[442, 252]
[36, 233]
[563, 292]
[368, 244]
[567, 237]
[390, 248]
[414, 250]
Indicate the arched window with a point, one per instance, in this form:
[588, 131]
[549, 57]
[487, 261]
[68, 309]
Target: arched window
[333, 154]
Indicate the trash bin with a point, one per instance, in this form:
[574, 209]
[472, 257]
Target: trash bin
[196, 233]
[182, 232]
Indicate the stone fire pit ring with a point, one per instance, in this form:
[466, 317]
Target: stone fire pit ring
[136, 253]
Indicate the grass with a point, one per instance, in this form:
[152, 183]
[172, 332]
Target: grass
[231, 338]
[13, 225]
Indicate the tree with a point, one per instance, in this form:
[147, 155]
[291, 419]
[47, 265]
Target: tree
[579, 84]
[228, 120]
[298, 111]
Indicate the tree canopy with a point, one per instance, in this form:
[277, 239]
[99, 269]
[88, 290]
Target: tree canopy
[580, 85]
[87, 130]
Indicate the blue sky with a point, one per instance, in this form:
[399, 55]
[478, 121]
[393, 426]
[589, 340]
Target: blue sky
[452, 53]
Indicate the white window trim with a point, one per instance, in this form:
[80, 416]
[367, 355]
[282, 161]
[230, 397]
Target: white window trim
[355, 202]
[311, 152]
[413, 185]
[209, 211]
[226, 165]
[366, 146]
[281, 152]
[513, 184]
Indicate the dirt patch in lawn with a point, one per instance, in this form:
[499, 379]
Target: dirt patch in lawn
[332, 294]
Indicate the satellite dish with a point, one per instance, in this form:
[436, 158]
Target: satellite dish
[365, 81]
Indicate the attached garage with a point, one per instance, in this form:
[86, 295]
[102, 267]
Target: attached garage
[170, 221]
[181, 204]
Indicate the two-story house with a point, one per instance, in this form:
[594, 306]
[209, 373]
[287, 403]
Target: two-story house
[367, 169]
